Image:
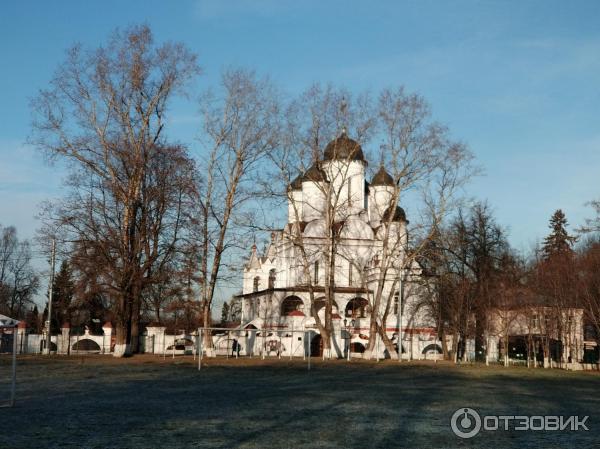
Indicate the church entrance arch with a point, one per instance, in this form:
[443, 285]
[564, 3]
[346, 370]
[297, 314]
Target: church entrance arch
[432, 349]
[356, 346]
[316, 346]
[86, 345]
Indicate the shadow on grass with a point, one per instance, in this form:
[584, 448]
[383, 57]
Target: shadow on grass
[63, 403]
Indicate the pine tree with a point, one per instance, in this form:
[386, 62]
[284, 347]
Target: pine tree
[558, 242]
[62, 296]
[225, 313]
[33, 320]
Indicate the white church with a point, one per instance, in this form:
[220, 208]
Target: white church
[276, 303]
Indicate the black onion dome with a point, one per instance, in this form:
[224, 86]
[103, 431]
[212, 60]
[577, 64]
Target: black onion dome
[344, 148]
[399, 214]
[296, 184]
[314, 174]
[382, 178]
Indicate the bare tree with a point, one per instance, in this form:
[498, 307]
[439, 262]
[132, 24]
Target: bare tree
[240, 127]
[468, 257]
[592, 225]
[104, 114]
[508, 304]
[427, 163]
[316, 149]
[423, 160]
[588, 287]
[555, 281]
[18, 280]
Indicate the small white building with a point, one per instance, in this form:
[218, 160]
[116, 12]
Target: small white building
[538, 332]
[276, 290]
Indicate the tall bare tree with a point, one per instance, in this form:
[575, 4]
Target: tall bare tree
[104, 114]
[468, 257]
[18, 280]
[423, 159]
[426, 162]
[240, 126]
[316, 148]
[588, 286]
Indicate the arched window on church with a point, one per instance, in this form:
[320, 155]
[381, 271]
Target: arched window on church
[357, 308]
[320, 304]
[316, 281]
[256, 284]
[272, 277]
[291, 304]
[396, 302]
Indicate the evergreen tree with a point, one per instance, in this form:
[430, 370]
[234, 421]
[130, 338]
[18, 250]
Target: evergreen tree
[62, 295]
[225, 313]
[33, 320]
[558, 242]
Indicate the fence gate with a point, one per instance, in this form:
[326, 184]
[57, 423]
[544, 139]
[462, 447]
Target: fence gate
[8, 365]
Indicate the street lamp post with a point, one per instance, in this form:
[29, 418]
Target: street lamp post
[348, 326]
[400, 301]
[51, 291]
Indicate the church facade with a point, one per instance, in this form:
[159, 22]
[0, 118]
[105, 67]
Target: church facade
[334, 196]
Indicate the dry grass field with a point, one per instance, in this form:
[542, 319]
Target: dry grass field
[146, 402]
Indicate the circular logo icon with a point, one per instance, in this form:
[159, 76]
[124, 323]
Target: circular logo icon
[465, 423]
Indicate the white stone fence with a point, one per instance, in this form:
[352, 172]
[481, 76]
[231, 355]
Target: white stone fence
[247, 342]
[154, 341]
[65, 343]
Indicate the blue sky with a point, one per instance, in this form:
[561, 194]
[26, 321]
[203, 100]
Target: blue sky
[518, 81]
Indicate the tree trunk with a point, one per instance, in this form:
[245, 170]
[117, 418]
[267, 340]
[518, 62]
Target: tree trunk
[207, 343]
[123, 326]
[455, 347]
[443, 343]
[389, 345]
[135, 325]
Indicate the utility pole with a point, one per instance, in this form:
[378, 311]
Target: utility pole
[52, 262]
[400, 301]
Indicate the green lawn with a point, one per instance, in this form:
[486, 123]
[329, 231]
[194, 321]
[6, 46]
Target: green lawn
[146, 401]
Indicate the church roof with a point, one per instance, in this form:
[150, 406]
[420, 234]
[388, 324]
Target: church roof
[315, 174]
[399, 214]
[254, 261]
[344, 148]
[296, 184]
[271, 252]
[382, 178]
[6, 321]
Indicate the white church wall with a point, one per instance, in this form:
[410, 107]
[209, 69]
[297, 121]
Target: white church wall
[379, 201]
[313, 204]
[295, 206]
[350, 201]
